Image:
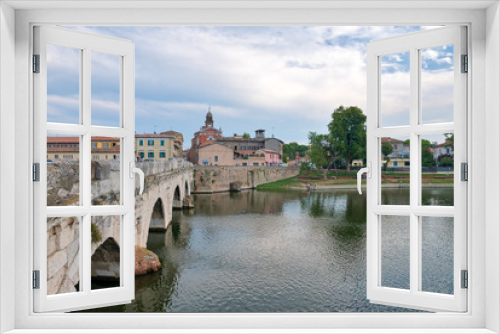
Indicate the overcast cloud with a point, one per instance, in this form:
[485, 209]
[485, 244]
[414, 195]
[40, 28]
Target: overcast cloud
[287, 80]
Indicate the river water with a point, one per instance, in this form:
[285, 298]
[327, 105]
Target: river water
[286, 251]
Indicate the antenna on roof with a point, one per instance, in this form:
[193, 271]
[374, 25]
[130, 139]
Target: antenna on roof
[272, 132]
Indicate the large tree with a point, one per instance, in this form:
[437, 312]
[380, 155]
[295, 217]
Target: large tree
[348, 133]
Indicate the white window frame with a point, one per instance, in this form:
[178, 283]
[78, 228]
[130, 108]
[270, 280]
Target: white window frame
[484, 212]
[86, 44]
[414, 211]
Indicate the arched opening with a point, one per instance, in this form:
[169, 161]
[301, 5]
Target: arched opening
[105, 265]
[186, 189]
[176, 202]
[157, 221]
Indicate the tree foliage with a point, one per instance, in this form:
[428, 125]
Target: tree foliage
[386, 151]
[246, 135]
[290, 150]
[319, 148]
[348, 133]
[427, 156]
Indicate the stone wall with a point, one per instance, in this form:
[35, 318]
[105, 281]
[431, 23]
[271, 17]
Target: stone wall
[218, 178]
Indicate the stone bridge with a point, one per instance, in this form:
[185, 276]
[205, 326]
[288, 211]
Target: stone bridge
[167, 187]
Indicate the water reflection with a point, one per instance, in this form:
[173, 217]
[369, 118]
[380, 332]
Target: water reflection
[281, 251]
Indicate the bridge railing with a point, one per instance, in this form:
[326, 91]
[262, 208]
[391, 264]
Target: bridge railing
[156, 167]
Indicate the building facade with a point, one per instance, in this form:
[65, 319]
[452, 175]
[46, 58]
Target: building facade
[178, 142]
[206, 133]
[67, 148]
[154, 146]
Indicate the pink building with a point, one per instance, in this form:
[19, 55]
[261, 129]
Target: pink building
[272, 158]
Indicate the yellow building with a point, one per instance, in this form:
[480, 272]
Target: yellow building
[154, 146]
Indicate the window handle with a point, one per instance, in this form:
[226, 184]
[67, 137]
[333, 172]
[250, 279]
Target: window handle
[134, 170]
[360, 173]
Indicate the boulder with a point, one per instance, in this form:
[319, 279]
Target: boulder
[146, 261]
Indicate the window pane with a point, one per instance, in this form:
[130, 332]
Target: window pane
[63, 170]
[437, 169]
[395, 170]
[105, 89]
[63, 249]
[395, 89]
[437, 81]
[395, 248]
[63, 84]
[437, 254]
[105, 261]
[106, 181]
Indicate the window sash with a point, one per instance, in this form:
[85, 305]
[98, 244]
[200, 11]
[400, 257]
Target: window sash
[413, 298]
[86, 297]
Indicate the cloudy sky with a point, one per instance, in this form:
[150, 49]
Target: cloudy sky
[286, 80]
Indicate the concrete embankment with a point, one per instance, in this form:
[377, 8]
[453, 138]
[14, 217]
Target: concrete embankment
[215, 179]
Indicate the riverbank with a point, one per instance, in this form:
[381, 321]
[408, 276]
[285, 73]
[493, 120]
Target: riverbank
[318, 179]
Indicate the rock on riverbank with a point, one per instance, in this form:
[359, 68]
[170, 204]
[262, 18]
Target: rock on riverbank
[146, 261]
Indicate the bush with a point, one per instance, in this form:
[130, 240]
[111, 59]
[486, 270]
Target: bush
[96, 235]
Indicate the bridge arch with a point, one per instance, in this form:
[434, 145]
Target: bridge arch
[177, 198]
[186, 188]
[106, 261]
[158, 219]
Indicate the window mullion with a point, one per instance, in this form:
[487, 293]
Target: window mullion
[414, 168]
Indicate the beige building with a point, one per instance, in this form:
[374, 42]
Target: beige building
[154, 146]
[215, 154]
[178, 142]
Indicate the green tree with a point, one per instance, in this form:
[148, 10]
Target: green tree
[446, 162]
[427, 156]
[246, 135]
[449, 137]
[290, 150]
[386, 151]
[348, 133]
[318, 151]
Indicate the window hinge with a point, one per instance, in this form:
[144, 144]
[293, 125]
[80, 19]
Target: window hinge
[36, 279]
[36, 172]
[36, 63]
[465, 279]
[465, 64]
[464, 167]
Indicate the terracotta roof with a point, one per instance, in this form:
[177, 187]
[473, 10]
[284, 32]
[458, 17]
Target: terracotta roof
[244, 140]
[63, 140]
[448, 143]
[391, 140]
[76, 140]
[97, 138]
[153, 135]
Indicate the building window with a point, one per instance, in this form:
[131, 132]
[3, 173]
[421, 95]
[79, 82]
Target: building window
[256, 164]
[163, 142]
[244, 164]
[141, 142]
[151, 142]
[163, 154]
[141, 154]
[56, 156]
[94, 145]
[105, 145]
[216, 158]
[151, 154]
[395, 164]
[243, 148]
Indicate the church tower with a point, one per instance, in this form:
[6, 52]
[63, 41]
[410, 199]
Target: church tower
[209, 121]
